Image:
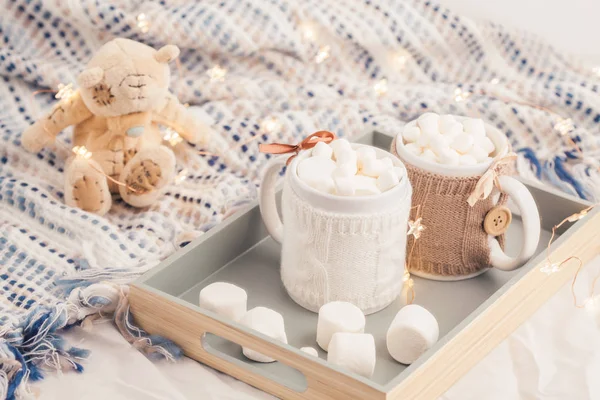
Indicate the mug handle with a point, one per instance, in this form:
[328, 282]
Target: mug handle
[266, 198]
[531, 226]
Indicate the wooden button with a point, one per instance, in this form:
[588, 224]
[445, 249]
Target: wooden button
[497, 220]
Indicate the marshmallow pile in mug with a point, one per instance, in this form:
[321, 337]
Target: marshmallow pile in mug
[341, 169]
[447, 139]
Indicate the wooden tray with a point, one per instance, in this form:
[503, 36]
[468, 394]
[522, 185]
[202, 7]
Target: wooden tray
[474, 315]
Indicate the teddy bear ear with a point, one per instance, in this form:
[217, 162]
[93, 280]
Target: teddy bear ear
[90, 77]
[166, 53]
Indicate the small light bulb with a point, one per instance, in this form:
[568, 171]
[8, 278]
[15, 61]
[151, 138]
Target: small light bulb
[216, 73]
[308, 31]
[143, 23]
[172, 137]
[381, 87]
[65, 92]
[406, 276]
[181, 176]
[461, 95]
[564, 126]
[82, 152]
[270, 125]
[591, 304]
[322, 55]
[550, 268]
[495, 81]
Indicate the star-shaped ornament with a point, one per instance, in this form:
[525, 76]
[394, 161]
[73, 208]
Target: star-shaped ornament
[415, 228]
[550, 268]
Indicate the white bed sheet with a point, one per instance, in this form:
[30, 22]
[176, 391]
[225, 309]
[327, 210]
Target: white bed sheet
[554, 355]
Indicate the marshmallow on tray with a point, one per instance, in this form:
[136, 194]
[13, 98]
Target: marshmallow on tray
[224, 299]
[268, 322]
[354, 352]
[337, 168]
[338, 316]
[447, 140]
[310, 350]
[412, 332]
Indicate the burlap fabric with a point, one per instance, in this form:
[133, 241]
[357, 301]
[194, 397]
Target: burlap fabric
[454, 242]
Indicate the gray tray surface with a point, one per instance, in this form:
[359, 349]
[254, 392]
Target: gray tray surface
[257, 271]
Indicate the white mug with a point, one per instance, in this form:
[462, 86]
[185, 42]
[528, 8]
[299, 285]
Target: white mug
[337, 248]
[418, 168]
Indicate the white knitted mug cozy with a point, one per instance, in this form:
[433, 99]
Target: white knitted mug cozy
[337, 248]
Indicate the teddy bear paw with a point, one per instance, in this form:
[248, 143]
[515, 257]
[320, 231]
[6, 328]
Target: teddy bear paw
[145, 175]
[88, 194]
[143, 178]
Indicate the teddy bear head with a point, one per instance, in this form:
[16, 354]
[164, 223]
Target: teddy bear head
[126, 76]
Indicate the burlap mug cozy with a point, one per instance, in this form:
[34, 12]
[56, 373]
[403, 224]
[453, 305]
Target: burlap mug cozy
[462, 240]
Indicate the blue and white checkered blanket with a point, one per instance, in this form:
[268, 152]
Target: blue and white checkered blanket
[290, 68]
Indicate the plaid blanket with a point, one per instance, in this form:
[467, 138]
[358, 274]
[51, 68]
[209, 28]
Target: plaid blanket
[258, 71]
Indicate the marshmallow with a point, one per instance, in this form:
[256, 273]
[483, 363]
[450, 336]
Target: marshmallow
[448, 157]
[411, 124]
[439, 143]
[462, 143]
[346, 157]
[338, 316]
[387, 180]
[447, 122]
[345, 170]
[322, 149]
[411, 134]
[309, 350]
[400, 172]
[485, 143]
[413, 331]
[478, 153]
[414, 148]
[373, 168]
[316, 172]
[344, 186]
[268, 322]
[365, 186]
[474, 126]
[387, 163]
[340, 145]
[467, 159]
[429, 155]
[322, 173]
[429, 123]
[224, 299]
[453, 131]
[424, 139]
[364, 153]
[354, 352]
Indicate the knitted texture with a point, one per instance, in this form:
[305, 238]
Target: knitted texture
[425, 52]
[329, 256]
[454, 242]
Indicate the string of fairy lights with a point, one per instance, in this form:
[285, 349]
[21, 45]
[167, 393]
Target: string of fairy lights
[272, 125]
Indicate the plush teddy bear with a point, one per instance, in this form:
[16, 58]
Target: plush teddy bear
[123, 97]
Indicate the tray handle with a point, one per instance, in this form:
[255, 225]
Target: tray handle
[186, 326]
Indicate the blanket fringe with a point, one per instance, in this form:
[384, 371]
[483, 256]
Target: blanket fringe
[36, 344]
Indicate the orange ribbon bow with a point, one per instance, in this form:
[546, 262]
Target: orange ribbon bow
[489, 179]
[308, 143]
